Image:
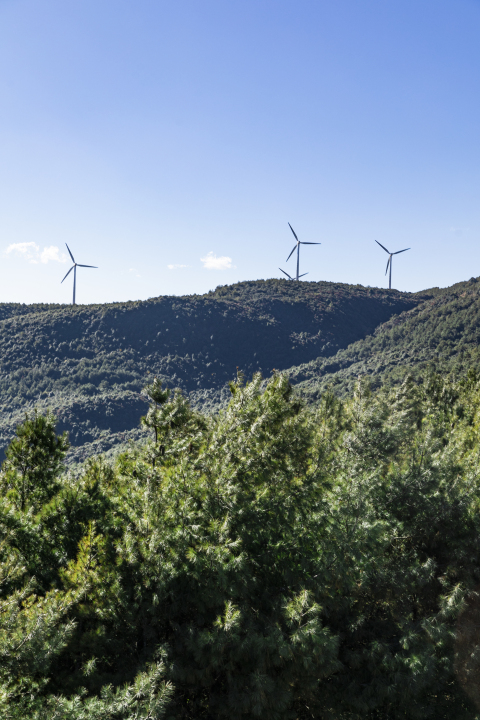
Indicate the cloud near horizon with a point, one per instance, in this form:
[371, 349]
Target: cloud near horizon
[31, 252]
[212, 262]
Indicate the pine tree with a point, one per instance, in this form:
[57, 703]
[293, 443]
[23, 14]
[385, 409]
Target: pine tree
[268, 562]
[33, 460]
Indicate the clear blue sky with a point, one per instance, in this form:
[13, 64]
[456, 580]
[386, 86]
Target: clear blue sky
[151, 134]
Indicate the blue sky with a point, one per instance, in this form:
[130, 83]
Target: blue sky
[170, 143]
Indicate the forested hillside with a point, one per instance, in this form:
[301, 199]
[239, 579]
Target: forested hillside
[310, 551]
[89, 364]
[441, 333]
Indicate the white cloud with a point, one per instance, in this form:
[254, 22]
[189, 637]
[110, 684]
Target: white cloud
[52, 253]
[212, 262]
[32, 254]
[134, 270]
[177, 267]
[28, 250]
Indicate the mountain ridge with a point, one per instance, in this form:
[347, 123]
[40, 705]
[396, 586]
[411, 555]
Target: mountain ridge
[89, 364]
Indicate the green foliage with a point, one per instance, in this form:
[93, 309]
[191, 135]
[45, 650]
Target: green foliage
[268, 562]
[89, 364]
[441, 333]
[33, 460]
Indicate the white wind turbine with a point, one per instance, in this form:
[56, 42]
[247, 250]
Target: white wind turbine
[297, 248]
[389, 263]
[74, 268]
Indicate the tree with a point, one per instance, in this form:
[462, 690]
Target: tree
[221, 559]
[33, 461]
[172, 419]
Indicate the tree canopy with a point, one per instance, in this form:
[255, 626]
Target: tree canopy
[273, 561]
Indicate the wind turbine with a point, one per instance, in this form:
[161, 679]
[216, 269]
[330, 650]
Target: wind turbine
[390, 261]
[297, 248]
[74, 268]
[289, 276]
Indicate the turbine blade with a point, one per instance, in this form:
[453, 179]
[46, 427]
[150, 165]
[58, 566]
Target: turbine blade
[399, 251]
[73, 259]
[68, 273]
[388, 263]
[307, 243]
[92, 266]
[293, 231]
[291, 254]
[302, 275]
[388, 251]
[285, 273]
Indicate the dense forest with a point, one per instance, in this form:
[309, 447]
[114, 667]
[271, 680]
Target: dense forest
[442, 332]
[89, 364]
[275, 560]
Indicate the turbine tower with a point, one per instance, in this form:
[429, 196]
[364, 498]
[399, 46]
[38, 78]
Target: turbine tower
[74, 268]
[389, 263]
[297, 248]
[289, 276]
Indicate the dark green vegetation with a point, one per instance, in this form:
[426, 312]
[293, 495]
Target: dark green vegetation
[441, 333]
[271, 561]
[89, 364]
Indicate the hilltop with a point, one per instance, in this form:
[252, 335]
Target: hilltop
[89, 364]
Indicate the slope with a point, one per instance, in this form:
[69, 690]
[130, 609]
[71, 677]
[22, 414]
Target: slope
[441, 333]
[90, 363]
